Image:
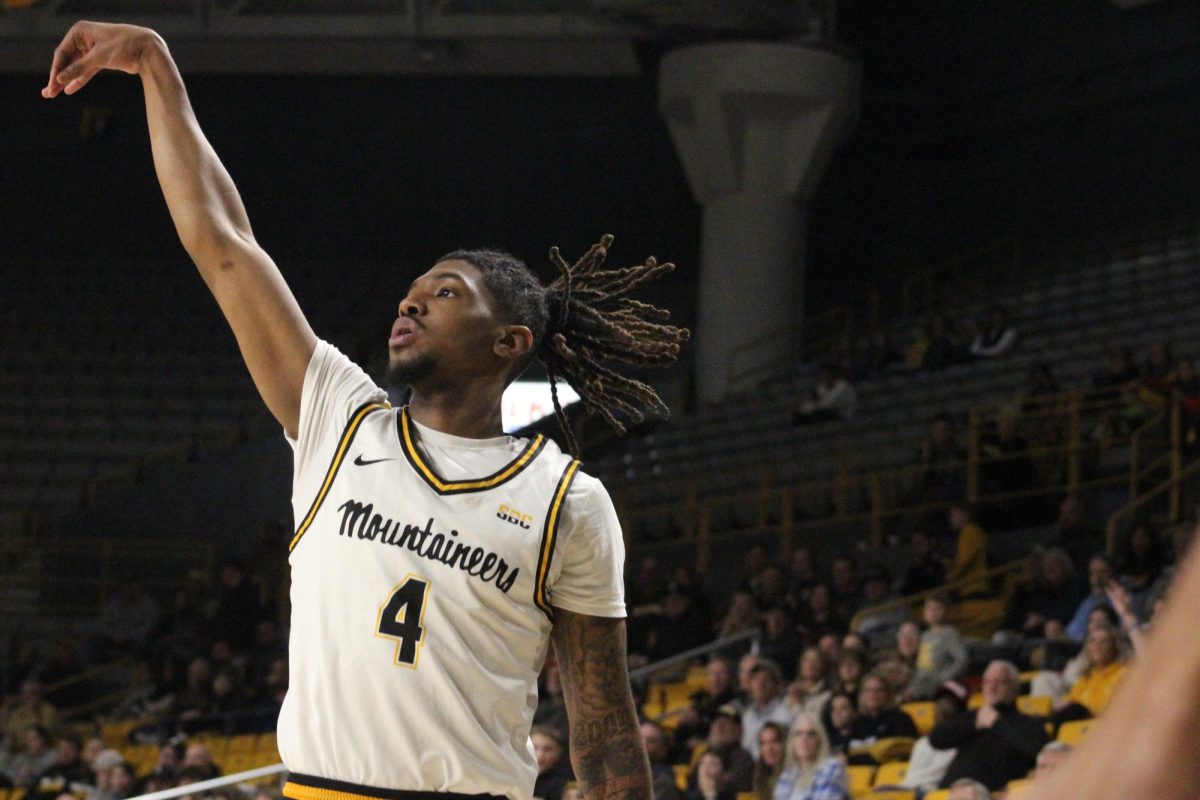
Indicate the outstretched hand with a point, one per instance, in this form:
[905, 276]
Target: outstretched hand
[93, 46]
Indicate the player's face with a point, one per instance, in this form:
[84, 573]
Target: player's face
[445, 330]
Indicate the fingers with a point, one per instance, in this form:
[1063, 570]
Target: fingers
[74, 44]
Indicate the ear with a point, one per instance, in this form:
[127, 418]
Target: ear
[514, 343]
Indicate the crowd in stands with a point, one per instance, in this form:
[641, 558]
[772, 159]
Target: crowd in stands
[787, 717]
[212, 663]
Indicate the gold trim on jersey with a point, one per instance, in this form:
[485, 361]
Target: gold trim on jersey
[343, 445]
[549, 536]
[442, 486]
[307, 787]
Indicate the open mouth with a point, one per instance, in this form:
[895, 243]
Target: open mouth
[404, 330]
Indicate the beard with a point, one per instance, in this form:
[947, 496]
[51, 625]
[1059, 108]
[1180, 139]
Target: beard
[403, 374]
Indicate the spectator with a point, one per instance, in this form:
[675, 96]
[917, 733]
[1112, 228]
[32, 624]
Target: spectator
[908, 644]
[938, 346]
[126, 619]
[195, 701]
[844, 587]
[741, 616]
[37, 755]
[1055, 685]
[1007, 469]
[926, 570]
[572, 791]
[25, 710]
[811, 689]
[853, 640]
[719, 689]
[927, 765]
[1042, 391]
[68, 773]
[882, 353]
[942, 656]
[268, 647]
[833, 399]
[745, 672]
[724, 739]
[967, 789]
[802, 574]
[877, 717]
[1142, 558]
[238, 607]
[840, 715]
[879, 628]
[551, 708]
[1054, 595]
[772, 587]
[1091, 693]
[755, 560]
[811, 771]
[712, 779]
[851, 667]
[996, 336]
[769, 765]
[658, 749]
[970, 552]
[1118, 372]
[1100, 574]
[766, 704]
[1073, 535]
[820, 618]
[554, 771]
[118, 782]
[199, 757]
[780, 642]
[679, 628]
[1160, 362]
[996, 743]
[942, 462]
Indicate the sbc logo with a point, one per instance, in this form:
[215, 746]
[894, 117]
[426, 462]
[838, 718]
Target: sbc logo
[515, 517]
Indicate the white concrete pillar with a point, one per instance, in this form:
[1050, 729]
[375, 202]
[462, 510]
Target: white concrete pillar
[754, 124]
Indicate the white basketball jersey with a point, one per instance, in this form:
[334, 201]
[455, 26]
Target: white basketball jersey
[420, 606]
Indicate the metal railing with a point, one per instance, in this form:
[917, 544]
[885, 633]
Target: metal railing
[214, 783]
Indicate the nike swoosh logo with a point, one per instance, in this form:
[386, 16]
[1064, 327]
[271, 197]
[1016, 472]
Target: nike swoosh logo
[358, 461]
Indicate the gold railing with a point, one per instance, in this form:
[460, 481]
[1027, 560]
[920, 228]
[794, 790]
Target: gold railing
[913, 602]
[881, 498]
[1171, 488]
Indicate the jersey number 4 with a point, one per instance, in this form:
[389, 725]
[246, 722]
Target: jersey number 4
[402, 618]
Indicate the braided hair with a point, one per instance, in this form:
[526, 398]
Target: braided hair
[583, 323]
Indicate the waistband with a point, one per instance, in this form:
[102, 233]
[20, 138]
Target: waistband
[310, 787]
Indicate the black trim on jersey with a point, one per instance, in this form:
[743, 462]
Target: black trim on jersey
[442, 486]
[339, 456]
[331, 785]
[550, 537]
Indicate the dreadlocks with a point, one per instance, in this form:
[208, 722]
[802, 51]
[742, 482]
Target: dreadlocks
[582, 324]
[593, 323]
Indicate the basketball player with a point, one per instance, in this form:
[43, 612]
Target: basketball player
[434, 558]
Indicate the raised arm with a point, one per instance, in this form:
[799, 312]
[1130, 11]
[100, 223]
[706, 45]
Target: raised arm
[606, 748]
[275, 339]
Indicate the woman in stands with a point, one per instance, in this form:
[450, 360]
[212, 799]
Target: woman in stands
[811, 689]
[772, 740]
[811, 772]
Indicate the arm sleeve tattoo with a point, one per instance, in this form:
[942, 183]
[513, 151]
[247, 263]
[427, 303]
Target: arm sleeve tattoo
[606, 748]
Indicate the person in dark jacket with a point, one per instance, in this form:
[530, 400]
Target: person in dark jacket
[996, 743]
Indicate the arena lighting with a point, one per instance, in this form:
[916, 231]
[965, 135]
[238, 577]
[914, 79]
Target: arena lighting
[526, 402]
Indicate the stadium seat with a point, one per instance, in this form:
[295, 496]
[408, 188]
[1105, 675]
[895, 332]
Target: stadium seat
[892, 794]
[893, 748]
[891, 773]
[860, 779]
[940, 794]
[1072, 733]
[1035, 705]
[922, 715]
[1018, 787]
[681, 776]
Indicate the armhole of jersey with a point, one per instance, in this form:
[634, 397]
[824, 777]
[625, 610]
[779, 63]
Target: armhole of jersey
[338, 456]
[550, 536]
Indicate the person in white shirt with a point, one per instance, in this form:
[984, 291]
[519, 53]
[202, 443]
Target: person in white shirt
[996, 337]
[833, 399]
[767, 703]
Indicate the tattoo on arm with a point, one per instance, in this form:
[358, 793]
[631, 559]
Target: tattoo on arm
[606, 748]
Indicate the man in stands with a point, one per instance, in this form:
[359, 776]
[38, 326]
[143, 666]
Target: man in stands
[1077, 538]
[878, 718]
[1100, 575]
[658, 748]
[996, 743]
[766, 704]
[880, 628]
[724, 739]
